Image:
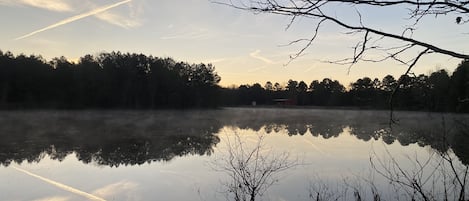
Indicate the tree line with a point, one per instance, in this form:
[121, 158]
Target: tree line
[107, 80]
[438, 91]
[135, 81]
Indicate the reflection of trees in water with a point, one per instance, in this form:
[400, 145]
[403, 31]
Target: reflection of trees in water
[133, 151]
[324, 130]
[135, 137]
[460, 141]
[327, 130]
[441, 135]
[107, 138]
[439, 131]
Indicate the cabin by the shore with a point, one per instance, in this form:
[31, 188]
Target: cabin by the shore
[284, 101]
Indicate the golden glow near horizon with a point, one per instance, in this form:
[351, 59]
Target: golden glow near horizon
[244, 48]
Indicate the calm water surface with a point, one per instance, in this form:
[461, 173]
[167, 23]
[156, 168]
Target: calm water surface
[169, 155]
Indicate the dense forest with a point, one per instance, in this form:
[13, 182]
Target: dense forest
[108, 80]
[136, 81]
[435, 92]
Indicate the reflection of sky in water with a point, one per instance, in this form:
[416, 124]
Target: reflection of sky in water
[342, 156]
[177, 180]
[189, 177]
[327, 160]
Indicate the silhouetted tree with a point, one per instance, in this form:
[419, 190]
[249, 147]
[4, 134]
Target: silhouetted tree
[277, 87]
[269, 86]
[302, 96]
[109, 80]
[439, 84]
[363, 91]
[388, 83]
[326, 92]
[460, 86]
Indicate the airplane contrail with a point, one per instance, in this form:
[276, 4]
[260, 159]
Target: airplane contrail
[315, 147]
[61, 186]
[75, 18]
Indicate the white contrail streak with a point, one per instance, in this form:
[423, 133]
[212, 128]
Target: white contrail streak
[75, 18]
[61, 186]
[315, 147]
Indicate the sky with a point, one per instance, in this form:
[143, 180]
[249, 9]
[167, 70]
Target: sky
[245, 48]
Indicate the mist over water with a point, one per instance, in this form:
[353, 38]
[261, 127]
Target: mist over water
[143, 155]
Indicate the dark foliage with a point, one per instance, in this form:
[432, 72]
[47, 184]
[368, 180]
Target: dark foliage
[438, 92]
[108, 80]
[136, 81]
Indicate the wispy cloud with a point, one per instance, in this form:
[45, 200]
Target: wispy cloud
[119, 20]
[256, 55]
[60, 185]
[75, 18]
[54, 5]
[123, 190]
[131, 20]
[314, 146]
[55, 198]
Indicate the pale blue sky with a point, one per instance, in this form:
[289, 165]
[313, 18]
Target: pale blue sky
[245, 48]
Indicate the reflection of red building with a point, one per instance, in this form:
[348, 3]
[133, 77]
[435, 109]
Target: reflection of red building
[284, 101]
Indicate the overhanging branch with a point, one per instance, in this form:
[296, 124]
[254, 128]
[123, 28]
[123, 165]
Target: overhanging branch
[314, 9]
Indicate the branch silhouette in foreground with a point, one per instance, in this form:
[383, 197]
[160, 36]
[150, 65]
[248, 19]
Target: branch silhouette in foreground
[391, 45]
[251, 169]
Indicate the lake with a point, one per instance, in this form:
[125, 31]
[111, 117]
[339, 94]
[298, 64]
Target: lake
[180, 155]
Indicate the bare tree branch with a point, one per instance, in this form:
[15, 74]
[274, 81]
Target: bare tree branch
[251, 169]
[314, 9]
